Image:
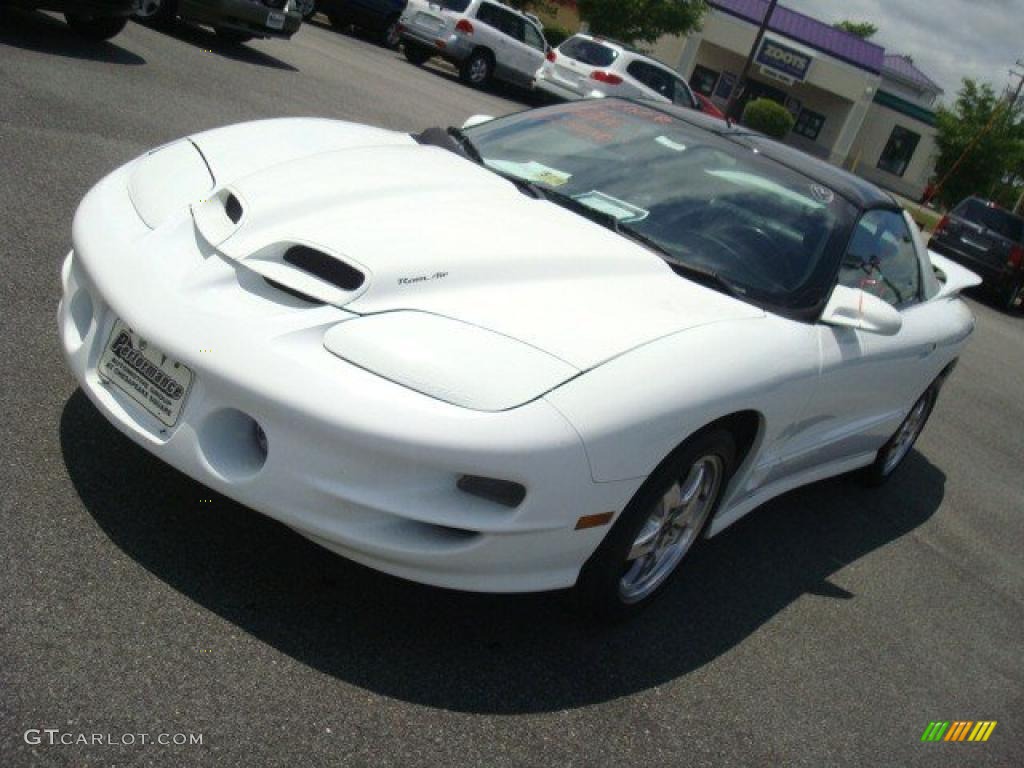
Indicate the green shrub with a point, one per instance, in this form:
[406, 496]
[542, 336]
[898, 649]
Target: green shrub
[769, 117]
[556, 35]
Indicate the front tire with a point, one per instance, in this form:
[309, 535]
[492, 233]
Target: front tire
[657, 529]
[477, 69]
[895, 451]
[98, 29]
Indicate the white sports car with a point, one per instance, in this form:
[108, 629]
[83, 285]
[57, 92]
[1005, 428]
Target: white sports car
[546, 350]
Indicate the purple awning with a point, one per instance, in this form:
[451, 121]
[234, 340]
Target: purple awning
[904, 68]
[811, 32]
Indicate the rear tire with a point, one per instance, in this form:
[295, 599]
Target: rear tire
[416, 54]
[1013, 299]
[389, 36]
[157, 13]
[98, 29]
[891, 455]
[477, 69]
[660, 525]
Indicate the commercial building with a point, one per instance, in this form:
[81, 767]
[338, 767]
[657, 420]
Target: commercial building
[853, 104]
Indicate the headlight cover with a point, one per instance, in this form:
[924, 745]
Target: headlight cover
[166, 180]
[449, 360]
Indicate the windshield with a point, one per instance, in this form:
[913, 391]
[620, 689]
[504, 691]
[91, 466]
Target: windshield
[993, 219]
[709, 203]
[588, 52]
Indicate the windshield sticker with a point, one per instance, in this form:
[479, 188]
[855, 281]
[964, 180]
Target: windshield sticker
[620, 209]
[531, 171]
[675, 146]
[822, 194]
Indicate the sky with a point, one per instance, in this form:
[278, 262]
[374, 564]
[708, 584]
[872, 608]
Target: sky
[948, 39]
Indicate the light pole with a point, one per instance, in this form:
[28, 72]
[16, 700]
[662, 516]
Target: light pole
[733, 105]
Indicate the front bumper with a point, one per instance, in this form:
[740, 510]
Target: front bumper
[454, 47]
[247, 16]
[358, 464]
[87, 8]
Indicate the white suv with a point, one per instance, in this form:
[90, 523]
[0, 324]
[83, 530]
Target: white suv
[586, 67]
[482, 38]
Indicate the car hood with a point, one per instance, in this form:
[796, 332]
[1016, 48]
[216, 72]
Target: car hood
[433, 232]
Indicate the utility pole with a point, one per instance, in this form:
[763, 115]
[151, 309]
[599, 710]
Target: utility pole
[1009, 103]
[1019, 207]
[741, 86]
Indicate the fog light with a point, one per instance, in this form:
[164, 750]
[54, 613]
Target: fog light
[503, 492]
[261, 437]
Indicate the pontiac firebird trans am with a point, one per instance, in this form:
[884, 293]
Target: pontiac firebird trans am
[546, 350]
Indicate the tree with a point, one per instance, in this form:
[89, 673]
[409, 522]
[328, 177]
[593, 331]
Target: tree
[641, 21]
[768, 117]
[862, 29]
[997, 132]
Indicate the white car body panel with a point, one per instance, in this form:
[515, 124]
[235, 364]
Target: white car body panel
[607, 359]
[569, 78]
[429, 23]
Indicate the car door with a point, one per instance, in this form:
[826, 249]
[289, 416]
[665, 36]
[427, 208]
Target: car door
[533, 50]
[868, 382]
[501, 28]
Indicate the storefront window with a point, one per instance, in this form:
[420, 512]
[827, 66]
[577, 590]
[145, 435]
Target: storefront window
[808, 124]
[898, 151]
[703, 80]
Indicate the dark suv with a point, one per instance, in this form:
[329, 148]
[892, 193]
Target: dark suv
[93, 19]
[379, 17]
[988, 240]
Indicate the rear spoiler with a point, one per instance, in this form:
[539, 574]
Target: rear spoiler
[951, 276]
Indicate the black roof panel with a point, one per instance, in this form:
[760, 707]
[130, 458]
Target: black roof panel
[858, 191]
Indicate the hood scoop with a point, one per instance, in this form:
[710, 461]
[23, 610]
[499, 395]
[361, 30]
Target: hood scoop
[302, 270]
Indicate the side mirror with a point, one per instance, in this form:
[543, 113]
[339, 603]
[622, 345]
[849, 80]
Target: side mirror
[854, 308]
[476, 120]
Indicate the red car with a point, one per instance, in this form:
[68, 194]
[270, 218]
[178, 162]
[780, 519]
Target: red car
[707, 106]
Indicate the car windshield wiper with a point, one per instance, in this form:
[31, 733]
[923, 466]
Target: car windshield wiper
[466, 144]
[707, 277]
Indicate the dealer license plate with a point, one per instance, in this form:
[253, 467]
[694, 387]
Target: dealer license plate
[275, 20]
[144, 373]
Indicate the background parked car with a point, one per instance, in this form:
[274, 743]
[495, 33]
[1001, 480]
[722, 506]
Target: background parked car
[988, 240]
[379, 17]
[484, 39]
[234, 20]
[708, 107]
[586, 67]
[92, 19]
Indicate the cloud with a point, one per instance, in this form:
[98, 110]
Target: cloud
[948, 39]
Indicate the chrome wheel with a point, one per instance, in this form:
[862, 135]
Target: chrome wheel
[478, 70]
[147, 9]
[392, 37]
[906, 435]
[671, 529]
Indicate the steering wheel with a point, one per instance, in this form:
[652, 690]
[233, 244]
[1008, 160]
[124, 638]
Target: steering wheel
[727, 240]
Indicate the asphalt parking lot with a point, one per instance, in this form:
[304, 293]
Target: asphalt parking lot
[828, 628]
